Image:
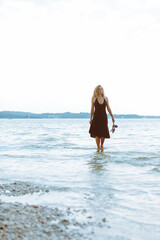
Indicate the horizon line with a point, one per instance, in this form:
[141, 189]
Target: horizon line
[67, 112]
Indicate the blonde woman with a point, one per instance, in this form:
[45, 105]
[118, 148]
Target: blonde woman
[98, 117]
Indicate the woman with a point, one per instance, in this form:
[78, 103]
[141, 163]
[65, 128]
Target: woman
[98, 117]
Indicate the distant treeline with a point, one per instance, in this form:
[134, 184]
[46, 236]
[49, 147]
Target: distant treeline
[13, 114]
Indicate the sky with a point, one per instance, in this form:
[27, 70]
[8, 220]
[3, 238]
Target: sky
[53, 53]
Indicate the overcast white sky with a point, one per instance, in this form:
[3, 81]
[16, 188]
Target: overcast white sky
[54, 52]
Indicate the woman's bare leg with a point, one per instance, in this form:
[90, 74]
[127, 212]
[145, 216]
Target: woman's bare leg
[102, 141]
[98, 142]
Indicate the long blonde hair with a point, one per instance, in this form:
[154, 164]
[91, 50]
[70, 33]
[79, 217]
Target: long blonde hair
[95, 93]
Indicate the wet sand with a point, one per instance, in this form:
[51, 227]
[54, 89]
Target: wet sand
[32, 222]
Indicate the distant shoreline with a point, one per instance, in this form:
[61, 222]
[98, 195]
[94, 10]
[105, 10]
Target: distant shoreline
[69, 115]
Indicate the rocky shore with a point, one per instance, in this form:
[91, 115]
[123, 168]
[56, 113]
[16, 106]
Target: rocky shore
[35, 222]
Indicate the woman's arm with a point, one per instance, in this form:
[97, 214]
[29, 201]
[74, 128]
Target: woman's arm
[109, 109]
[92, 110]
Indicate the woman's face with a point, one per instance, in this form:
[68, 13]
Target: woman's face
[100, 91]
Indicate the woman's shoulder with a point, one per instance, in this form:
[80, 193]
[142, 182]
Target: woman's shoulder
[106, 99]
[93, 99]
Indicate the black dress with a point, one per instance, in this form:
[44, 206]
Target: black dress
[99, 126]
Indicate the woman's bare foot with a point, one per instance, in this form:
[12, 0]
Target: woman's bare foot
[101, 148]
[98, 149]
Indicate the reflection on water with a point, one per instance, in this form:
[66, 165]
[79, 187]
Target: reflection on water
[98, 162]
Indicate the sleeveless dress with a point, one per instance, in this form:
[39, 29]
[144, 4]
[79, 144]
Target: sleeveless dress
[99, 126]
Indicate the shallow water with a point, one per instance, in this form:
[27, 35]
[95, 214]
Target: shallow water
[122, 184]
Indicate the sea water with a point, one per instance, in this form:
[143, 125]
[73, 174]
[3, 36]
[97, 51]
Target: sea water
[121, 184]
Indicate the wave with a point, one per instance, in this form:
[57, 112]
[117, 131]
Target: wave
[155, 169]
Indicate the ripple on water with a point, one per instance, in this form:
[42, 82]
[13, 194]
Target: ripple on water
[155, 169]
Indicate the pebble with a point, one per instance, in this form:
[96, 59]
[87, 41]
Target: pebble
[64, 221]
[21, 188]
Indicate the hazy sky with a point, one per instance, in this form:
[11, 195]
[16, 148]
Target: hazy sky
[54, 52]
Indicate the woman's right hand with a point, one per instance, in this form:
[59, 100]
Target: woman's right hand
[90, 121]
